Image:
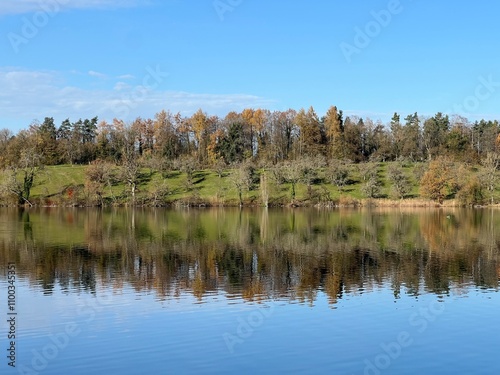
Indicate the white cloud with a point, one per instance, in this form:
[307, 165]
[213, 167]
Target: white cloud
[126, 76]
[93, 73]
[28, 95]
[119, 86]
[27, 6]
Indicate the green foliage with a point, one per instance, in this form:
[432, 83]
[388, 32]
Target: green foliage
[285, 183]
[290, 145]
[232, 146]
[471, 193]
[434, 134]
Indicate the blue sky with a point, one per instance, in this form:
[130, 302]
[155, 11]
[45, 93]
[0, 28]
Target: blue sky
[77, 58]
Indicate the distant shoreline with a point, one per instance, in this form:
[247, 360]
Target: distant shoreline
[354, 203]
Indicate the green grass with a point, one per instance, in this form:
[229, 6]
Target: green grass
[54, 183]
[53, 180]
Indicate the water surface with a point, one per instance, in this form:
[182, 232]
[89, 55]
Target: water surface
[252, 291]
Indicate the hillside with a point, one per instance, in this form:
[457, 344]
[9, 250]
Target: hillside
[68, 185]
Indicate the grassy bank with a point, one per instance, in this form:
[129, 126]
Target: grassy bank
[65, 185]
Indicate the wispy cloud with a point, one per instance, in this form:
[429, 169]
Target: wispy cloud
[121, 86]
[28, 95]
[126, 76]
[93, 73]
[27, 6]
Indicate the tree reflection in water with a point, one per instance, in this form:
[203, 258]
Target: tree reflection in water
[254, 254]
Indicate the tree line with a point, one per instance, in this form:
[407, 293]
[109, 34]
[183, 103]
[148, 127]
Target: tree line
[256, 134]
[261, 137]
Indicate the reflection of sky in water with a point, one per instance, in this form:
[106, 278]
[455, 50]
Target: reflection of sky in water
[135, 333]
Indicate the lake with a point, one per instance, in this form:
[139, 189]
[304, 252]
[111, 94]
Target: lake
[253, 291]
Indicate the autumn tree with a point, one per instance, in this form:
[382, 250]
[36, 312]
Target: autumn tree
[471, 193]
[334, 129]
[202, 126]
[439, 181]
[310, 139]
[213, 149]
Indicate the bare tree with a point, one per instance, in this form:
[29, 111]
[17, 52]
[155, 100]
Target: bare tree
[338, 174]
[264, 189]
[401, 185]
[371, 188]
[130, 172]
[367, 170]
[22, 174]
[293, 172]
[5, 136]
[97, 176]
[241, 179]
[159, 193]
[188, 165]
[220, 167]
[489, 173]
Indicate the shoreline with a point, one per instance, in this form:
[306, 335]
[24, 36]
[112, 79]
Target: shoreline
[346, 203]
